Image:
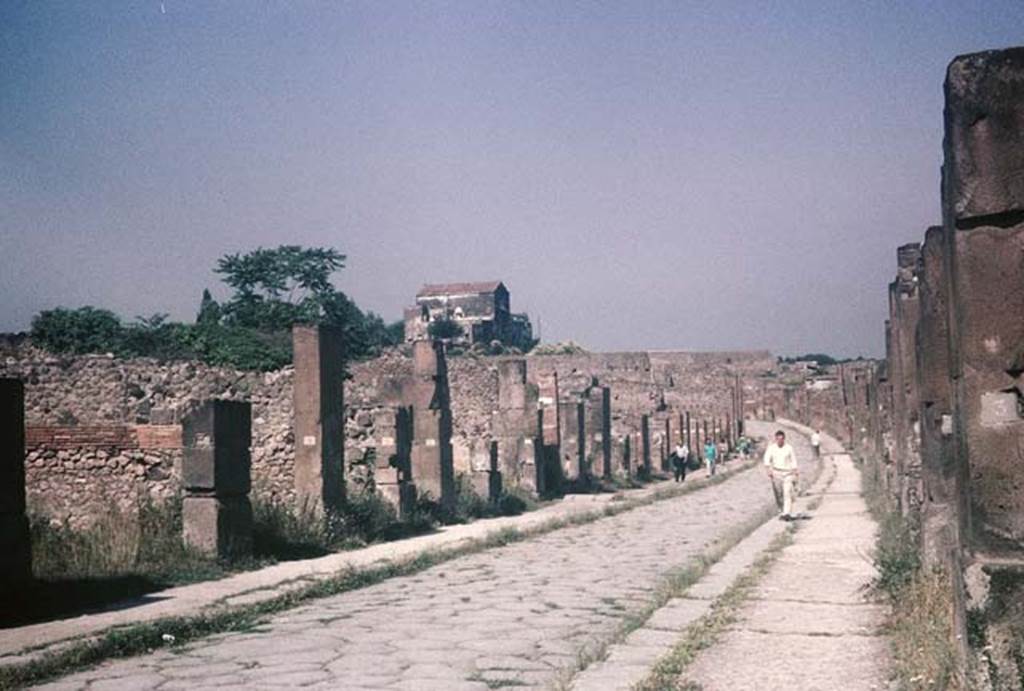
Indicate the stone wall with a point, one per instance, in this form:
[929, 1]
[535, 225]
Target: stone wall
[102, 430]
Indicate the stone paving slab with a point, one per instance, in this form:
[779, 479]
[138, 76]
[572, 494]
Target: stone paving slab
[264, 584]
[809, 626]
[518, 614]
[629, 662]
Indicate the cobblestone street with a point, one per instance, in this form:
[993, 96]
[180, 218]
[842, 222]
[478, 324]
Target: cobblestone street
[518, 615]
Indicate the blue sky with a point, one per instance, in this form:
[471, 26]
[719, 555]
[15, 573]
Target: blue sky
[641, 175]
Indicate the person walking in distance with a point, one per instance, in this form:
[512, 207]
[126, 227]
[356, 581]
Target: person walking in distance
[680, 457]
[780, 464]
[816, 443]
[710, 455]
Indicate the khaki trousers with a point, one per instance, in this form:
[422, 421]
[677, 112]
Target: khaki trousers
[784, 486]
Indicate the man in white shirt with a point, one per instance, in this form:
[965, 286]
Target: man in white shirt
[780, 463]
[816, 443]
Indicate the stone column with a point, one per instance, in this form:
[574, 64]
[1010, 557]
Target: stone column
[494, 475]
[645, 442]
[319, 416]
[903, 319]
[216, 514]
[944, 488]
[514, 423]
[540, 458]
[668, 443]
[983, 228]
[573, 439]
[550, 429]
[15, 542]
[427, 392]
[606, 432]
[403, 461]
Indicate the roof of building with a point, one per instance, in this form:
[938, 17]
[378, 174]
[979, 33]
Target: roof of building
[431, 289]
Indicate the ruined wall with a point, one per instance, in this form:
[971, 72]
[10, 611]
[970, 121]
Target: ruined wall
[90, 420]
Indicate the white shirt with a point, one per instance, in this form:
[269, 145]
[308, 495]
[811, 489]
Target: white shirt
[780, 457]
[815, 439]
[682, 451]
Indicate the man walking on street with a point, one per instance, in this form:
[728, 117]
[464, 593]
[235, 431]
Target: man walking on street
[780, 463]
[816, 443]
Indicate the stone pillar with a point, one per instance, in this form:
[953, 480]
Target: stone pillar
[903, 319]
[983, 228]
[494, 475]
[15, 542]
[403, 461]
[540, 458]
[427, 393]
[645, 442]
[514, 423]
[944, 478]
[668, 444]
[216, 514]
[581, 428]
[550, 428]
[319, 416]
[606, 432]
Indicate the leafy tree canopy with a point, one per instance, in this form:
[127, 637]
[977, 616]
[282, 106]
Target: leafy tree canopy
[273, 289]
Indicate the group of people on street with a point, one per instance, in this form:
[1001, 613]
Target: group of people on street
[779, 461]
[680, 458]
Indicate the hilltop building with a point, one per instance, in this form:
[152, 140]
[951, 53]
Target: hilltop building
[481, 309]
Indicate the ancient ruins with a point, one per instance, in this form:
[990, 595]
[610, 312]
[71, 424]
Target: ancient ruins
[940, 419]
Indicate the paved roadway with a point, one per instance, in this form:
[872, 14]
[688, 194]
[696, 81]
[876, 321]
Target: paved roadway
[516, 616]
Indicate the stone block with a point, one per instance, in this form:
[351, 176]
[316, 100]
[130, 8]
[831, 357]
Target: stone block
[984, 142]
[218, 526]
[217, 438]
[12, 447]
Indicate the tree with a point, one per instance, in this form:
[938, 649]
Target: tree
[209, 310]
[276, 288]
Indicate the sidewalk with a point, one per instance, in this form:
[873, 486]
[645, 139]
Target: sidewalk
[21, 644]
[809, 625]
[628, 663]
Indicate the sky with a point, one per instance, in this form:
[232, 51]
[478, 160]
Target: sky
[641, 175]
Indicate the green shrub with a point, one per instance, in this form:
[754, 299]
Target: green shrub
[84, 330]
[281, 531]
[513, 504]
[364, 518]
[896, 555]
